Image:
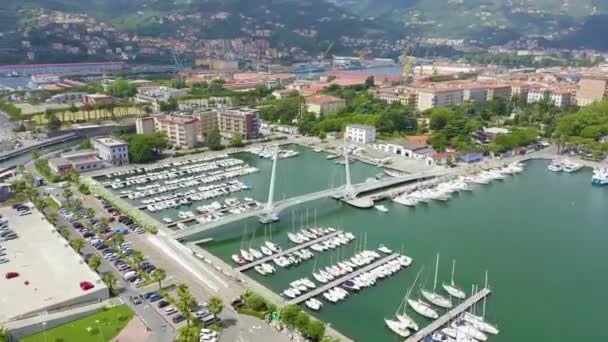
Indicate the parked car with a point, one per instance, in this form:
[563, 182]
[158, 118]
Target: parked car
[136, 300]
[162, 304]
[178, 318]
[86, 285]
[155, 298]
[170, 311]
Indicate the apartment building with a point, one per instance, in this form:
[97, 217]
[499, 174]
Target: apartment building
[324, 104]
[144, 125]
[155, 95]
[360, 133]
[111, 150]
[208, 121]
[591, 89]
[428, 98]
[243, 121]
[181, 130]
[560, 97]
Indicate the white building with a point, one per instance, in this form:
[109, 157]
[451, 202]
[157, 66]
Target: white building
[112, 150]
[559, 97]
[360, 133]
[408, 149]
[155, 95]
[144, 125]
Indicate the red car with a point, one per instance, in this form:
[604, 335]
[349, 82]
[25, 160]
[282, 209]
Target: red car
[86, 285]
[11, 275]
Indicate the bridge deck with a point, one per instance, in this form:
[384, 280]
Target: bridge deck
[336, 282]
[287, 251]
[453, 313]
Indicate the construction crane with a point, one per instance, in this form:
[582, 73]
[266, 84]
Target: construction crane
[324, 55]
[408, 63]
[179, 65]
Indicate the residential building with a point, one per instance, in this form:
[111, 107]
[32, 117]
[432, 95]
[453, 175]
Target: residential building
[112, 150]
[84, 161]
[155, 95]
[428, 98]
[144, 125]
[497, 91]
[75, 97]
[60, 165]
[181, 130]
[478, 93]
[560, 97]
[243, 121]
[591, 89]
[96, 99]
[324, 104]
[360, 133]
[208, 121]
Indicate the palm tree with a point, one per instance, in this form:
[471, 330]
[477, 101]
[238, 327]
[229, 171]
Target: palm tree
[64, 232]
[67, 194]
[110, 280]
[95, 262]
[216, 305]
[118, 238]
[52, 217]
[138, 257]
[77, 203]
[77, 244]
[186, 302]
[104, 223]
[159, 275]
[90, 212]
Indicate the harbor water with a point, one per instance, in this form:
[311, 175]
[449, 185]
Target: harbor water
[541, 236]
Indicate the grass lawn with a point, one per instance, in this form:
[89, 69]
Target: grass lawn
[102, 326]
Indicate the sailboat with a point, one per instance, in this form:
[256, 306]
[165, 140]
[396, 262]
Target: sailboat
[451, 288]
[397, 327]
[479, 321]
[403, 317]
[436, 298]
[421, 307]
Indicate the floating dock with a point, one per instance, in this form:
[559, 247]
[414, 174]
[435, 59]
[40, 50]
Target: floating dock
[336, 282]
[450, 315]
[287, 251]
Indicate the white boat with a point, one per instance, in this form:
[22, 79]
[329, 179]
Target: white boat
[256, 254]
[406, 200]
[167, 220]
[238, 259]
[397, 327]
[260, 269]
[479, 323]
[246, 255]
[266, 251]
[451, 288]
[469, 330]
[600, 176]
[571, 167]
[381, 208]
[273, 247]
[434, 297]
[314, 304]
[384, 249]
[556, 166]
[423, 308]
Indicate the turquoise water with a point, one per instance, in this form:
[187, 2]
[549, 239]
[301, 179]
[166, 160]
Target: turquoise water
[542, 237]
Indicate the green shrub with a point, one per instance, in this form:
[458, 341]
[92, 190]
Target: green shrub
[253, 313]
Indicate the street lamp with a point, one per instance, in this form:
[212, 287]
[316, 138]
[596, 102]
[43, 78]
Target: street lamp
[44, 330]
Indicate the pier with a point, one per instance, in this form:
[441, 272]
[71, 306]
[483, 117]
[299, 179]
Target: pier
[450, 315]
[336, 282]
[287, 251]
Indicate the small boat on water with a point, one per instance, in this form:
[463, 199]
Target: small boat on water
[246, 255]
[397, 327]
[167, 220]
[272, 246]
[600, 176]
[434, 297]
[384, 249]
[381, 208]
[314, 304]
[331, 156]
[571, 167]
[239, 260]
[556, 166]
[423, 308]
[451, 288]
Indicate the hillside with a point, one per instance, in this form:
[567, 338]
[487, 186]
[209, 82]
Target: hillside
[491, 21]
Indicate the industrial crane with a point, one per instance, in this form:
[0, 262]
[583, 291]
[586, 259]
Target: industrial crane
[408, 63]
[324, 55]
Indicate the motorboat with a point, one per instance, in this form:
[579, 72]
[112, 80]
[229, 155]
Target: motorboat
[273, 247]
[571, 167]
[266, 251]
[397, 327]
[260, 269]
[167, 220]
[556, 166]
[381, 208]
[470, 330]
[314, 304]
[436, 299]
[256, 254]
[408, 201]
[600, 176]
[239, 260]
[246, 255]
[423, 308]
[384, 249]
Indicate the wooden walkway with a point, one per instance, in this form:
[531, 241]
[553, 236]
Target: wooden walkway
[450, 315]
[287, 251]
[336, 282]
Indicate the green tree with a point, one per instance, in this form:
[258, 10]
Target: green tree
[188, 334]
[77, 203]
[90, 212]
[67, 194]
[237, 141]
[213, 140]
[52, 217]
[216, 305]
[159, 275]
[144, 148]
[315, 331]
[53, 123]
[95, 262]
[322, 136]
[302, 321]
[137, 257]
[119, 239]
[64, 232]
[255, 302]
[104, 223]
[4, 335]
[78, 244]
[289, 314]
[73, 176]
[186, 302]
[110, 279]
[122, 88]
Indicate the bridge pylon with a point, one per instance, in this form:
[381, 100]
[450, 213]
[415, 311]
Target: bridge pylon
[348, 187]
[269, 216]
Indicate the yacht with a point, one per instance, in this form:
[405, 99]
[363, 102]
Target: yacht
[381, 208]
[246, 255]
[571, 166]
[256, 254]
[409, 322]
[600, 176]
[260, 269]
[434, 297]
[479, 323]
[470, 330]
[406, 200]
[451, 288]
[423, 308]
[314, 304]
[273, 247]
[384, 249]
[239, 260]
[556, 166]
[397, 327]
[266, 251]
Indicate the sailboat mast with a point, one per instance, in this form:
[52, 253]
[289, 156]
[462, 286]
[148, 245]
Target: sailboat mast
[483, 308]
[436, 268]
[453, 267]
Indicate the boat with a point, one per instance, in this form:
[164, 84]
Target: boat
[266, 251]
[571, 167]
[451, 288]
[384, 249]
[314, 304]
[246, 255]
[318, 150]
[381, 208]
[167, 220]
[434, 297]
[556, 166]
[397, 327]
[331, 156]
[406, 200]
[260, 269]
[256, 254]
[600, 176]
[423, 308]
[272, 246]
[469, 330]
[238, 259]
[479, 321]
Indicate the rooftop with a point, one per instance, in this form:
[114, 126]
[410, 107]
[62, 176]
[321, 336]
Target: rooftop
[361, 126]
[109, 141]
[52, 269]
[322, 99]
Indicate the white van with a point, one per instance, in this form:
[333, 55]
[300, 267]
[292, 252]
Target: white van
[130, 275]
